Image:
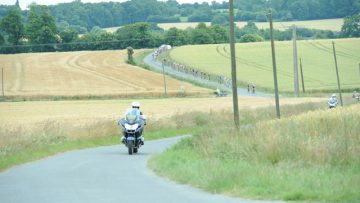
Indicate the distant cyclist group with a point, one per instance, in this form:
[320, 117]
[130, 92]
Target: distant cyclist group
[191, 71]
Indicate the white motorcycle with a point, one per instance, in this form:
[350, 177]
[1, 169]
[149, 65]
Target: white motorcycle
[132, 127]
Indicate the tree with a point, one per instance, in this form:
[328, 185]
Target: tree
[219, 34]
[13, 26]
[130, 52]
[41, 28]
[251, 38]
[68, 36]
[351, 26]
[201, 35]
[17, 5]
[220, 19]
[2, 40]
[135, 35]
[249, 28]
[176, 37]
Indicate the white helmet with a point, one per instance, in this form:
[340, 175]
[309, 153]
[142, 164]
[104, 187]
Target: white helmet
[333, 95]
[135, 104]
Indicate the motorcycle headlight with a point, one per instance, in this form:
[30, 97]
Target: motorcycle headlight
[131, 127]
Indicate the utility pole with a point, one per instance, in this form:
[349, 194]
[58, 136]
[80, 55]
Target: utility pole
[337, 74]
[163, 64]
[296, 72]
[2, 82]
[233, 66]
[274, 65]
[302, 76]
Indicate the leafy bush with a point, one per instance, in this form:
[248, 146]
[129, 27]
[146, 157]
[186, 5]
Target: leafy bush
[251, 38]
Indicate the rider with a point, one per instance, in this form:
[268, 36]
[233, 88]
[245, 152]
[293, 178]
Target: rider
[136, 106]
[332, 101]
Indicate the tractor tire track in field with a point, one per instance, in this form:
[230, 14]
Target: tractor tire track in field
[322, 47]
[74, 63]
[260, 66]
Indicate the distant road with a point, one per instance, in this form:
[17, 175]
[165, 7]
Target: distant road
[104, 174]
[158, 66]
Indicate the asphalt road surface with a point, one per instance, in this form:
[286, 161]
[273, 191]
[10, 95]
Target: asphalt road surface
[103, 174]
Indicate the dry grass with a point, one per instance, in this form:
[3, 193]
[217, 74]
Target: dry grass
[83, 73]
[23, 120]
[308, 157]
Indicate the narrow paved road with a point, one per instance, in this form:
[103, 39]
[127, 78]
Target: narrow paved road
[158, 66]
[104, 174]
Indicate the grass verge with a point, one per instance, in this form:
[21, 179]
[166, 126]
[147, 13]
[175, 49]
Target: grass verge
[309, 157]
[24, 145]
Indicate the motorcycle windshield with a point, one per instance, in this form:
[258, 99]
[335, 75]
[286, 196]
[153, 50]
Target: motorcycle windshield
[132, 116]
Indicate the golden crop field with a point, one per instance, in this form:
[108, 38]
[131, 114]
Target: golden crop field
[325, 24]
[84, 73]
[23, 120]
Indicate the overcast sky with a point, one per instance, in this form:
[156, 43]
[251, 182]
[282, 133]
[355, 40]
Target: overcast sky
[25, 3]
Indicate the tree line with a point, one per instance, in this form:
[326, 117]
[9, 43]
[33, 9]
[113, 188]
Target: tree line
[84, 16]
[38, 32]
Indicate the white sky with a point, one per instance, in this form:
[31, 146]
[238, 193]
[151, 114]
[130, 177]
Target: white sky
[25, 3]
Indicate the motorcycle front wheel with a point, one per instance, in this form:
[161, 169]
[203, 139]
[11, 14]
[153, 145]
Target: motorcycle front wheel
[131, 147]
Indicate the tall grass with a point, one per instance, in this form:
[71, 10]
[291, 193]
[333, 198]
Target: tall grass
[310, 157]
[26, 143]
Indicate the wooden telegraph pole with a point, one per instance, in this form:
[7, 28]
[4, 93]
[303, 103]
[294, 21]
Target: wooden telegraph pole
[296, 72]
[274, 65]
[233, 65]
[337, 73]
[2, 82]
[302, 76]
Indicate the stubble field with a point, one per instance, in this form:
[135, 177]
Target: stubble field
[21, 121]
[84, 73]
[326, 24]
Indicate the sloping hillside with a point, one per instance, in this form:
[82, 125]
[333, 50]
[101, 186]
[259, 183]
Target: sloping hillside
[95, 73]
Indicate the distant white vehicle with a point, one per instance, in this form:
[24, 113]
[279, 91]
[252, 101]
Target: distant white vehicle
[165, 47]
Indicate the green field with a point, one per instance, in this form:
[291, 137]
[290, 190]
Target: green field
[254, 64]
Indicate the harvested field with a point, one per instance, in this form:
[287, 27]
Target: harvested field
[85, 73]
[23, 120]
[324, 24]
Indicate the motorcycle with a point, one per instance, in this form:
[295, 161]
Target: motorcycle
[332, 104]
[132, 127]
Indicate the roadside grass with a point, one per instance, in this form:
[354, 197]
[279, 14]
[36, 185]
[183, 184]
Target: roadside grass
[17, 148]
[313, 156]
